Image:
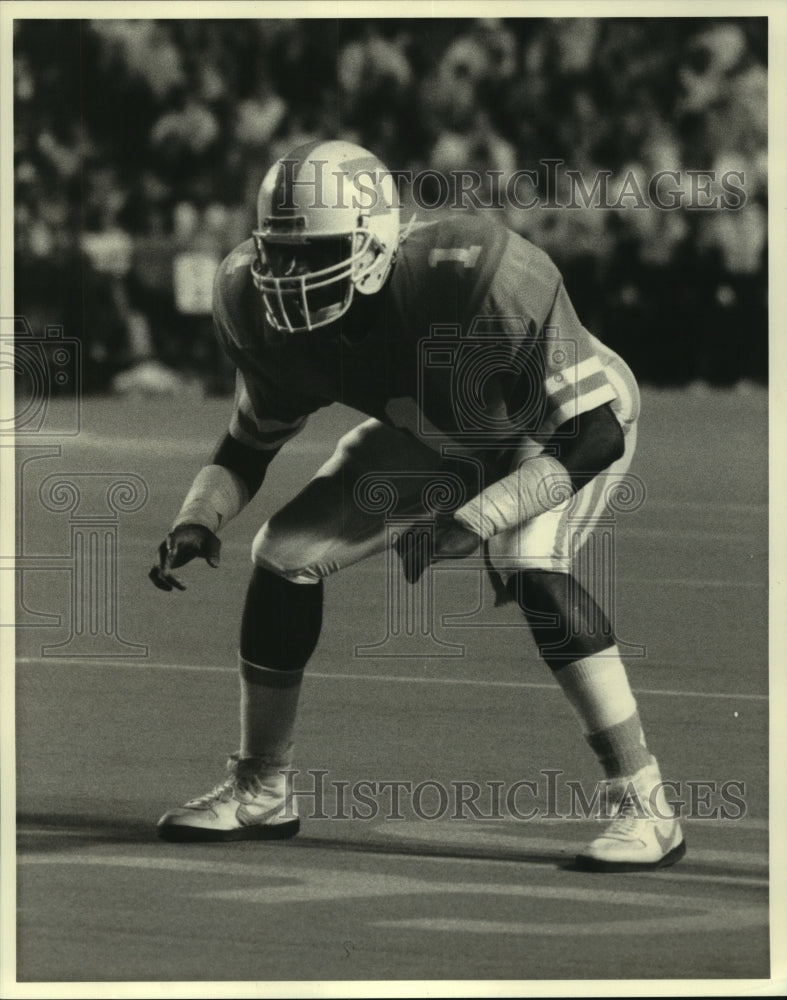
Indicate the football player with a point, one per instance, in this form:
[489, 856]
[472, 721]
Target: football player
[458, 340]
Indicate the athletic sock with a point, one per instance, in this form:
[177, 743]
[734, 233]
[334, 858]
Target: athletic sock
[268, 707]
[279, 632]
[621, 750]
[598, 690]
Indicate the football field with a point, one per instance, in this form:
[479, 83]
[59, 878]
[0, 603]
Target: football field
[422, 855]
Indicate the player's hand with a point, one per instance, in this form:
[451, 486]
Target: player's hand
[186, 542]
[452, 540]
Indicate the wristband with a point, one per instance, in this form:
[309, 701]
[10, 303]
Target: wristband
[216, 496]
[538, 485]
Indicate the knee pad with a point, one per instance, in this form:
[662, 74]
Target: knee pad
[566, 622]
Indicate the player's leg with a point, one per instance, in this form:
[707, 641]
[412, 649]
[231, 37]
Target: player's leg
[322, 530]
[575, 640]
[280, 628]
[577, 643]
[329, 525]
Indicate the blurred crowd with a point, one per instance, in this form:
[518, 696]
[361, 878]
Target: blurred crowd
[140, 145]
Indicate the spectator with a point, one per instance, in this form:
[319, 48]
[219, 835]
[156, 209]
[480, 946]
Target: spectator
[192, 111]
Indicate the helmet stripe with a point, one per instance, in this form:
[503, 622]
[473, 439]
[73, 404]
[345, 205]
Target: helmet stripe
[282, 200]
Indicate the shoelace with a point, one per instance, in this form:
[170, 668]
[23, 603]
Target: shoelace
[222, 791]
[624, 825]
[241, 781]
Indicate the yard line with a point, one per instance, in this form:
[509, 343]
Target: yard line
[732, 508]
[244, 870]
[656, 534]
[682, 876]
[543, 686]
[729, 825]
[25, 831]
[171, 448]
[698, 584]
[138, 664]
[704, 922]
[330, 882]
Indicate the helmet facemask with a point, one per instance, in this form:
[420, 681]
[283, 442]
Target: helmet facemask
[309, 281]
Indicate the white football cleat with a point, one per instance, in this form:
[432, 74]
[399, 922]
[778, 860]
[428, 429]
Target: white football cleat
[254, 803]
[644, 832]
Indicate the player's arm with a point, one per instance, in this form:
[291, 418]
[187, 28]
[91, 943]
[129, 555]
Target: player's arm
[586, 445]
[583, 434]
[224, 486]
[220, 491]
[234, 474]
[577, 452]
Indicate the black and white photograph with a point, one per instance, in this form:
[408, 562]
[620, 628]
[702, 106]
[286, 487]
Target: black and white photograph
[390, 433]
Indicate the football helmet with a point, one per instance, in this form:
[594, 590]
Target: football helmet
[327, 226]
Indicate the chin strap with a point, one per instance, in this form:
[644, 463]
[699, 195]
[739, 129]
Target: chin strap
[408, 228]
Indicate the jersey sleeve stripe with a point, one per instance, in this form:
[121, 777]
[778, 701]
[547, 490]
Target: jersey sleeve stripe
[581, 404]
[573, 374]
[590, 383]
[627, 405]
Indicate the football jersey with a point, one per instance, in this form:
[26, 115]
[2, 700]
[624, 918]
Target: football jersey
[473, 342]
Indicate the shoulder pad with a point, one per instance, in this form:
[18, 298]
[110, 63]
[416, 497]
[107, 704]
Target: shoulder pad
[231, 284]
